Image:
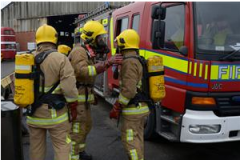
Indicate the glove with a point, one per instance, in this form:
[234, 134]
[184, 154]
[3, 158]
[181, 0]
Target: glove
[100, 67]
[73, 110]
[116, 59]
[116, 110]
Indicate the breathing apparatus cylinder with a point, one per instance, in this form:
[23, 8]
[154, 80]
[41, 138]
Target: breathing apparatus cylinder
[156, 82]
[24, 84]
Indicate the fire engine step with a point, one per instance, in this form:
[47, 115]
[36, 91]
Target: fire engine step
[100, 93]
[170, 136]
[169, 119]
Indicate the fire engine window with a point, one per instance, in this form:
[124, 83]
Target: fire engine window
[135, 22]
[174, 32]
[122, 24]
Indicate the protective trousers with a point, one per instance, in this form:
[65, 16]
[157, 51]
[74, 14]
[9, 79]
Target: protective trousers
[80, 129]
[59, 137]
[132, 135]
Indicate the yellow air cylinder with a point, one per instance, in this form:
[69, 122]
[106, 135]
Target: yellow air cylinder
[24, 87]
[156, 83]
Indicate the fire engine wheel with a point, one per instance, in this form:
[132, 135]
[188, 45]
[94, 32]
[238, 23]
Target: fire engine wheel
[149, 126]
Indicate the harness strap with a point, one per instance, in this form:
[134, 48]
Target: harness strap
[40, 98]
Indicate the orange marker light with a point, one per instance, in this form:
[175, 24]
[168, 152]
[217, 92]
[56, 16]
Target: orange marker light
[203, 101]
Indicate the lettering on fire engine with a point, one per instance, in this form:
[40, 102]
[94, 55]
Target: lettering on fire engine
[217, 86]
[229, 72]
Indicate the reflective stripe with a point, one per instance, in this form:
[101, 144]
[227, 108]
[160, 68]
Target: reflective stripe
[82, 98]
[129, 135]
[73, 147]
[23, 67]
[69, 100]
[133, 154]
[139, 85]
[123, 100]
[81, 146]
[195, 69]
[135, 110]
[92, 71]
[190, 68]
[57, 89]
[200, 69]
[76, 127]
[68, 139]
[54, 113]
[75, 157]
[206, 72]
[112, 37]
[42, 121]
[46, 89]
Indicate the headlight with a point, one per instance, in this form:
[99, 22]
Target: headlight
[205, 129]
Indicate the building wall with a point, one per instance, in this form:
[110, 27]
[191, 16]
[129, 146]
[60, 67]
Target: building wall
[17, 11]
[26, 17]
[23, 38]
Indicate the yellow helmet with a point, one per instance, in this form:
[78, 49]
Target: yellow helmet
[128, 39]
[63, 49]
[46, 33]
[91, 30]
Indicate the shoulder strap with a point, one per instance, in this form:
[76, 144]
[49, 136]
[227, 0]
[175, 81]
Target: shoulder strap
[39, 97]
[39, 58]
[42, 56]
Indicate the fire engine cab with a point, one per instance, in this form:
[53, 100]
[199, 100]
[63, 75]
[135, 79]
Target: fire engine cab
[200, 46]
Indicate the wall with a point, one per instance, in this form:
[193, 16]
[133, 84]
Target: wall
[23, 38]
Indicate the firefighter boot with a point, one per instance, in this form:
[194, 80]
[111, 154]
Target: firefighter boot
[85, 156]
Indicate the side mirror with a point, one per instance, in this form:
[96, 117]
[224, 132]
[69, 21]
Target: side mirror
[183, 51]
[158, 34]
[158, 12]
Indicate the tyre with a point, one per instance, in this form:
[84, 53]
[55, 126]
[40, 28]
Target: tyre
[149, 126]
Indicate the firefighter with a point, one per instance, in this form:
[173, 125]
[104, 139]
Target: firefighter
[64, 49]
[132, 109]
[55, 67]
[82, 58]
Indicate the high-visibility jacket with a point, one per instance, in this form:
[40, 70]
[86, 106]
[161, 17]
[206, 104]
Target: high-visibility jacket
[85, 72]
[55, 67]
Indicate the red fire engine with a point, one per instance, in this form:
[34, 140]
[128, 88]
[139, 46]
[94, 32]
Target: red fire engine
[8, 43]
[200, 46]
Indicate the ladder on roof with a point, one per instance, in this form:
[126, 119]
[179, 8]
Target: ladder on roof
[103, 8]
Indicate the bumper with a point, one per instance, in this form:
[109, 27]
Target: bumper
[228, 125]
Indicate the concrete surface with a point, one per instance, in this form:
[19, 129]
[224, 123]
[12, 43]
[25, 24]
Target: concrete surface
[7, 67]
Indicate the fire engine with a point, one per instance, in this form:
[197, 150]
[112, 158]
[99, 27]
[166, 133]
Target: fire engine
[8, 43]
[200, 46]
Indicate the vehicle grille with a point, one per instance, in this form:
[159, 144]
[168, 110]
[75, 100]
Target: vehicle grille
[227, 106]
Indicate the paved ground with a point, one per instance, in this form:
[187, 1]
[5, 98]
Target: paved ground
[7, 67]
[104, 144]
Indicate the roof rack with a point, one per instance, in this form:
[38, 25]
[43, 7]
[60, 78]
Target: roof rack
[103, 8]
